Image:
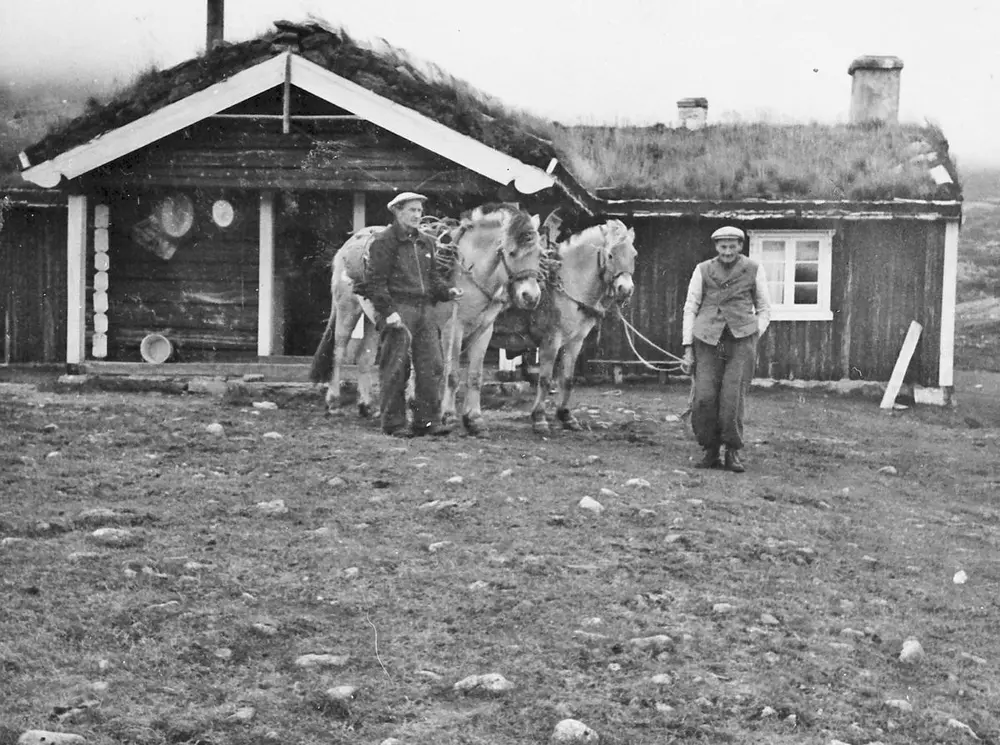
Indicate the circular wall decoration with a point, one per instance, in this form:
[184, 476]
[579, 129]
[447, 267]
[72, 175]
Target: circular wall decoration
[176, 215]
[223, 213]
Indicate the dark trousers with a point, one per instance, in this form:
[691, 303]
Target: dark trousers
[417, 344]
[722, 376]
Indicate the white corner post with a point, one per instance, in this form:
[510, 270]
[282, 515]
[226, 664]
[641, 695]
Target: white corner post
[949, 292]
[76, 281]
[102, 263]
[265, 277]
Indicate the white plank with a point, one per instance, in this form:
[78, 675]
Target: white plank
[902, 362]
[76, 283]
[417, 128]
[265, 278]
[102, 216]
[152, 127]
[359, 211]
[101, 241]
[949, 292]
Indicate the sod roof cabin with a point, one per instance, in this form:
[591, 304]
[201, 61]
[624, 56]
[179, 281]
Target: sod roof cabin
[203, 202]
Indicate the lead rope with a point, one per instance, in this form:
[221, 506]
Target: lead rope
[675, 363]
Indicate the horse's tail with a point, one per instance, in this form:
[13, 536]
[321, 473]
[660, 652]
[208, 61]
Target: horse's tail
[322, 362]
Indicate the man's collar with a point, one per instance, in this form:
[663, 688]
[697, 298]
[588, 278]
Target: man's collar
[403, 233]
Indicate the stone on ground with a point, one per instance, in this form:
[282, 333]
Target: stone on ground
[265, 405]
[454, 480]
[215, 429]
[912, 652]
[768, 620]
[722, 608]
[486, 683]
[322, 660]
[115, 537]
[273, 436]
[573, 730]
[960, 577]
[656, 643]
[274, 507]
[591, 505]
[956, 724]
[888, 470]
[661, 679]
[341, 693]
[336, 482]
[899, 704]
[639, 483]
[242, 715]
[42, 737]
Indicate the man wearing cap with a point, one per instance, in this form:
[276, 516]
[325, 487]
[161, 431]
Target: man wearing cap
[403, 287]
[726, 310]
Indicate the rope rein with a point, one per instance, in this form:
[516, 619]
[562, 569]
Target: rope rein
[675, 364]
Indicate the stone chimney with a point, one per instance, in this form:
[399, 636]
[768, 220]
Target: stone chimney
[692, 113]
[875, 89]
[214, 24]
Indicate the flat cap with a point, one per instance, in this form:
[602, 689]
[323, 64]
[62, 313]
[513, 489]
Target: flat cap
[729, 232]
[406, 196]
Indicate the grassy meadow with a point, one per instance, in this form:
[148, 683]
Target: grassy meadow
[696, 607]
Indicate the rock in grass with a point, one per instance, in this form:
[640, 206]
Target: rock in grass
[273, 436]
[912, 652]
[42, 737]
[215, 429]
[591, 505]
[265, 405]
[722, 608]
[487, 683]
[899, 704]
[888, 471]
[768, 620]
[661, 679]
[322, 660]
[657, 643]
[336, 482]
[454, 481]
[956, 724]
[115, 538]
[960, 577]
[638, 483]
[573, 730]
[274, 507]
[341, 693]
[243, 715]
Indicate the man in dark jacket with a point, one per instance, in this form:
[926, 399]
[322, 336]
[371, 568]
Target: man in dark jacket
[403, 286]
[727, 309]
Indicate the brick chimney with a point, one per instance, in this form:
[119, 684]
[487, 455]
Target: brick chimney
[214, 24]
[875, 89]
[692, 113]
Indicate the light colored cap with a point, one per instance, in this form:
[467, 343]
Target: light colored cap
[728, 232]
[406, 196]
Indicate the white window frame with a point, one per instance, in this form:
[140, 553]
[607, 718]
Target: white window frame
[790, 311]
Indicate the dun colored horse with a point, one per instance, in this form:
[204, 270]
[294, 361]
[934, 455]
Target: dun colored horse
[595, 274]
[494, 255]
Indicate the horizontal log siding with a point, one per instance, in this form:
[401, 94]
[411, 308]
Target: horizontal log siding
[33, 282]
[885, 274]
[204, 298]
[348, 158]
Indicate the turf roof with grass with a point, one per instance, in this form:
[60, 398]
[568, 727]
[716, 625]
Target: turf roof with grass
[720, 162]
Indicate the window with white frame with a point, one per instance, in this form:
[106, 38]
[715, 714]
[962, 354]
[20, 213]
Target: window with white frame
[797, 264]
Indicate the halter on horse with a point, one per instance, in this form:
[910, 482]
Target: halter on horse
[595, 275]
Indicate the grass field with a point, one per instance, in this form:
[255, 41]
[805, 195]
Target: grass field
[697, 607]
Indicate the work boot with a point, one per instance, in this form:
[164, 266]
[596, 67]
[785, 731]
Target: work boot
[710, 459]
[431, 428]
[733, 462]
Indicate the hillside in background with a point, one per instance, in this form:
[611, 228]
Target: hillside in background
[978, 332]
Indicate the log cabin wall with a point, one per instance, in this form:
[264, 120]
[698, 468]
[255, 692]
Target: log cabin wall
[885, 274]
[33, 283]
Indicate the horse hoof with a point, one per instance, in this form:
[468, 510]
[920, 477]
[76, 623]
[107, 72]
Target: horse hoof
[540, 426]
[569, 421]
[364, 410]
[473, 425]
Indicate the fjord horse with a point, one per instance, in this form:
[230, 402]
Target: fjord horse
[595, 274]
[498, 266]
[493, 241]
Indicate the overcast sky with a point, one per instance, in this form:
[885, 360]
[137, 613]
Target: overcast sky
[585, 60]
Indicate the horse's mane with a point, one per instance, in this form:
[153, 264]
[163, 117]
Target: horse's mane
[609, 233]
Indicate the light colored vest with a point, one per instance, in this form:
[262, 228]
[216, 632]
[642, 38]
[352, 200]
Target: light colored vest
[728, 299]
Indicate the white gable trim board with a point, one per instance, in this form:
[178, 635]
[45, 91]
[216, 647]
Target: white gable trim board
[310, 77]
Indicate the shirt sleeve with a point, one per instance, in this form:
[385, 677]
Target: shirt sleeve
[691, 305]
[762, 301]
[381, 260]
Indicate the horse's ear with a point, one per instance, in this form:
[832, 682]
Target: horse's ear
[535, 221]
[631, 234]
[477, 214]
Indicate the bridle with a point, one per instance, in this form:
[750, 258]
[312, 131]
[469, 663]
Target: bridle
[604, 264]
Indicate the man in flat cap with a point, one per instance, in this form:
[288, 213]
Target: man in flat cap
[403, 286]
[726, 311]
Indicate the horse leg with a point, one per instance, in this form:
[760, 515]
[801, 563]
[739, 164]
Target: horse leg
[366, 363]
[451, 345]
[546, 362]
[570, 352]
[347, 318]
[473, 416]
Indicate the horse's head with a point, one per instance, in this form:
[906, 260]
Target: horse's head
[518, 250]
[617, 259]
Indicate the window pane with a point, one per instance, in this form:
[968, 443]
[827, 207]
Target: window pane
[777, 292]
[774, 272]
[807, 250]
[806, 272]
[806, 294]
[772, 251]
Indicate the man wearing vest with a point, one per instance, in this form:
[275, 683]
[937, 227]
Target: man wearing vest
[726, 311]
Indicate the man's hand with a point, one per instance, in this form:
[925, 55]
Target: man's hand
[394, 320]
[688, 364]
[454, 293]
